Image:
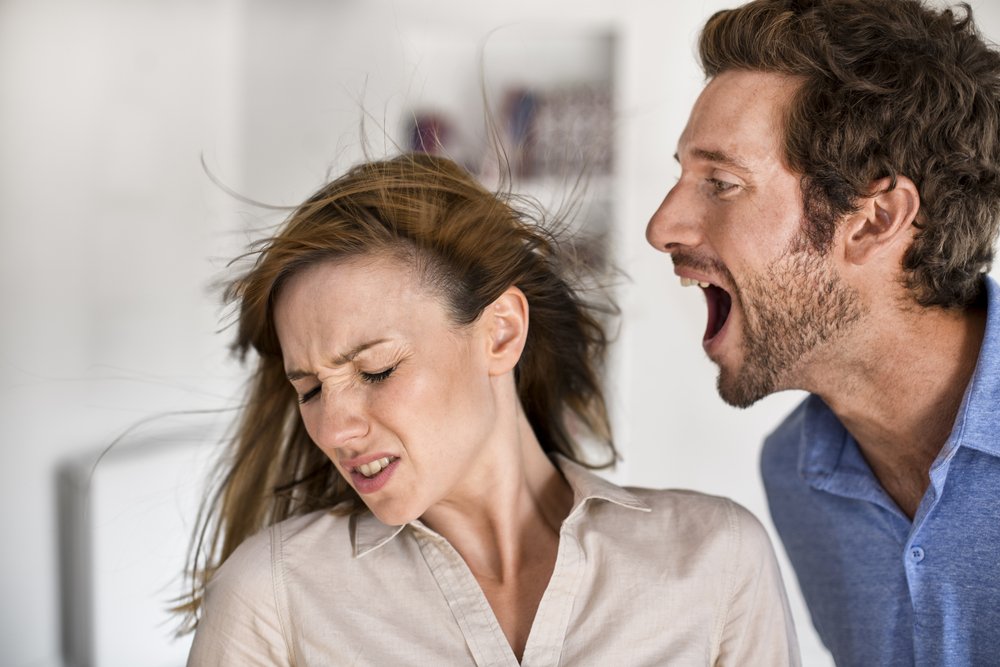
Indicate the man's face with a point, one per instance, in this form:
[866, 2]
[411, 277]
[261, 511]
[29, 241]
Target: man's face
[733, 225]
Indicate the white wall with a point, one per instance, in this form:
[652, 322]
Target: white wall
[109, 235]
[110, 231]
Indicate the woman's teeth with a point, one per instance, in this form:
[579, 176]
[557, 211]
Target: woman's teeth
[689, 282]
[375, 467]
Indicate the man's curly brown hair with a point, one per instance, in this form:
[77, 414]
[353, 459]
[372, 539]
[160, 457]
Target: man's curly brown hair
[889, 88]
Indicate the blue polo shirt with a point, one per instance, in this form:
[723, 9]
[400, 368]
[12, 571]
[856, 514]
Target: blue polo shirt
[882, 589]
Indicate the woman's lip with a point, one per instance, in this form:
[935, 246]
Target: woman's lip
[357, 462]
[365, 485]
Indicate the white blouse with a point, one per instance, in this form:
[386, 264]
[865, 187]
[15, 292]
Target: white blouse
[642, 577]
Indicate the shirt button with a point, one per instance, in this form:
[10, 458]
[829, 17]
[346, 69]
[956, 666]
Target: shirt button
[916, 554]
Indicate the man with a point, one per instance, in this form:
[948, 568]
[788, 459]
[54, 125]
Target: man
[838, 204]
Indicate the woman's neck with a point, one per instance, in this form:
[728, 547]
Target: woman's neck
[505, 523]
[513, 496]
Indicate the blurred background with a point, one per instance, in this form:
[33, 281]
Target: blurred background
[113, 237]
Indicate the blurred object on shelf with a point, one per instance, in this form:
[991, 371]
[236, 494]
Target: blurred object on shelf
[520, 108]
[573, 131]
[430, 133]
[563, 132]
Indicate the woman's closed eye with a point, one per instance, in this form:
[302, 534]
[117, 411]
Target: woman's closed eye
[367, 378]
[309, 395]
[375, 378]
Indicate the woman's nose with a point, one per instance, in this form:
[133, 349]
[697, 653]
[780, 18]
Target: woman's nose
[344, 420]
[675, 223]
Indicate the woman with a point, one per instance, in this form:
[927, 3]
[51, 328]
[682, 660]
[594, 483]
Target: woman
[406, 486]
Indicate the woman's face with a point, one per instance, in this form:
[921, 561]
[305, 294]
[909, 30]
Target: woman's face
[397, 396]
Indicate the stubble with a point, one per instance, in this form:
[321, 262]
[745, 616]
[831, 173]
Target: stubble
[796, 307]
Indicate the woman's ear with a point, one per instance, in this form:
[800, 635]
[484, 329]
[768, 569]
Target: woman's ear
[884, 220]
[506, 321]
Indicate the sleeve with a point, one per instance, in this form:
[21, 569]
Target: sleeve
[240, 625]
[758, 628]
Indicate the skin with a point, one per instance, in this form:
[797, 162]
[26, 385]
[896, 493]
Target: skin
[442, 399]
[841, 324]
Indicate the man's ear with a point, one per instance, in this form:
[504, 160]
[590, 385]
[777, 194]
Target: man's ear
[884, 220]
[506, 320]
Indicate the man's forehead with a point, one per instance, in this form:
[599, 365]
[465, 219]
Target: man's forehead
[738, 120]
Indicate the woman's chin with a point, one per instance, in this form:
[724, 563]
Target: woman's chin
[392, 516]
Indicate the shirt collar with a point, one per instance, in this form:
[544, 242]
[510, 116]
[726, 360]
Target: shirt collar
[976, 423]
[587, 485]
[830, 459]
[821, 441]
[368, 533]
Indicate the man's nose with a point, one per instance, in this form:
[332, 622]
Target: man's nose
[675, 224]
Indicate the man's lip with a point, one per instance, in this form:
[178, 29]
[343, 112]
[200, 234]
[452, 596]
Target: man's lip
[696, 276]
[358, 461]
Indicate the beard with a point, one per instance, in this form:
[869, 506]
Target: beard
[790, 310]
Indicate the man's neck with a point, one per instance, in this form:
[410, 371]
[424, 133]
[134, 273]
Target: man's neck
[902, 391]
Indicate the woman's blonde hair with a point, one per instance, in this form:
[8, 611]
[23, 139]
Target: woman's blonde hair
[468, 246]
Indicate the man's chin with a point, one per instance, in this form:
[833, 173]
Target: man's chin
[743, 389]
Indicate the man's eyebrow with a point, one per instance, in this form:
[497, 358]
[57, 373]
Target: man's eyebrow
[346, 358]
[719, 157]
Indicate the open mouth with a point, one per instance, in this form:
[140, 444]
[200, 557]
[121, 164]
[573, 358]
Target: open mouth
[373, 468]
[719, 304]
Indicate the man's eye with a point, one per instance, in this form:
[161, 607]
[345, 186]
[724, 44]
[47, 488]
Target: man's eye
[721, 187]
[375, 378]
[309, 395]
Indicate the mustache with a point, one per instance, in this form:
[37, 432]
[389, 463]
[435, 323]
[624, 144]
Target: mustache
[691, 260]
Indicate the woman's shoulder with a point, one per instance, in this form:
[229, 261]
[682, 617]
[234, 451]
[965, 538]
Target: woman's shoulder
[700, 518]
[324, 524]
[260, 552]
[666, 522]
[689, 502]
[321, 535]
[245, 614]
[726, 555]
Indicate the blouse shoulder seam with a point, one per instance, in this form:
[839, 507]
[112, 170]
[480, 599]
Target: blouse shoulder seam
[278, 586]
[736, 535]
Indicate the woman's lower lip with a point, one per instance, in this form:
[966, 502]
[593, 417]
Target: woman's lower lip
[365, 485]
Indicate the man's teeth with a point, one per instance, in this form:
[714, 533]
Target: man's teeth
[375, 467]
[689, 282]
